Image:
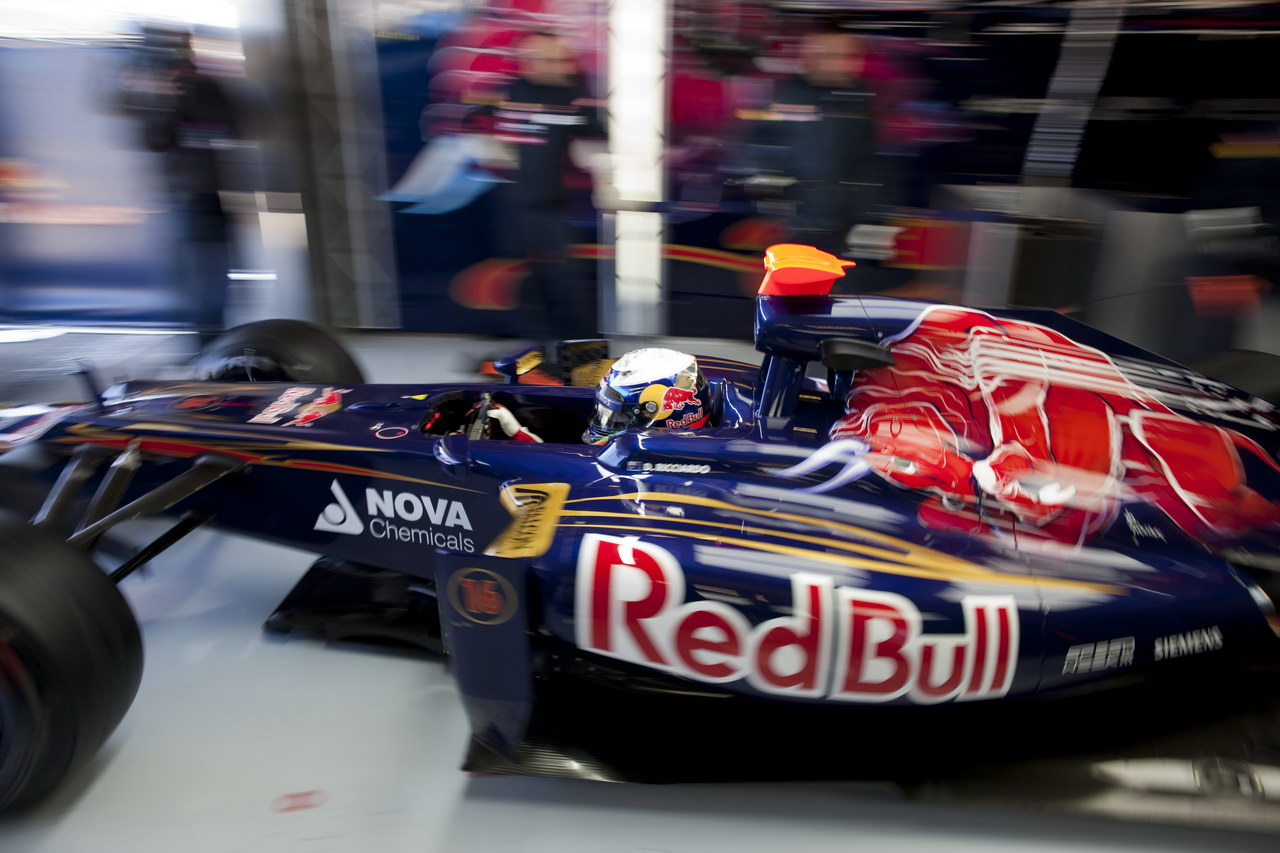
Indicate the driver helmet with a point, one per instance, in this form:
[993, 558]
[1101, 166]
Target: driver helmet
[651, 387]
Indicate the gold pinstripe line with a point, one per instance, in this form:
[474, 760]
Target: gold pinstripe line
[977, 574]
[865, 550]
[272, 455]
[235, 438]
[926, 557]
[713, 503]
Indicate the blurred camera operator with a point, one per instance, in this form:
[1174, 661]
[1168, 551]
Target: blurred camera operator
[187, 117]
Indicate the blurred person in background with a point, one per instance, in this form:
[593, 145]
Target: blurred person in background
[819, 132]
[187, 117]
[542, 113]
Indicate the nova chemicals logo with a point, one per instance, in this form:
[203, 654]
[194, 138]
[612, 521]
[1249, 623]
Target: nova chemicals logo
[441, 522]
[339, 517]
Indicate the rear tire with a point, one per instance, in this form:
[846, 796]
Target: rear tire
[278, 351]
[70, 661]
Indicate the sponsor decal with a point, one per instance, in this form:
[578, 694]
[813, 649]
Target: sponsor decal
[389, 433]
[329, 401]
[1137, 528]
[339, 516]
[844, 644]
[438, 522]
[1189, 643]
[536, 509]
[196, 402]
[283, 405]
[1099, 657]
[686, 420]
[482, 596]
[668, 467]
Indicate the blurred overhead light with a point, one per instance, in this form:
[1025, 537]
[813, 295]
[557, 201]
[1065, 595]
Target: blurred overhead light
[17, 336]
[35, 19]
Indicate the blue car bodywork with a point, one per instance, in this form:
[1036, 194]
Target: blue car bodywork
[760, 560]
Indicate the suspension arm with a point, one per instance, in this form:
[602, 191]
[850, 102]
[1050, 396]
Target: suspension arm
[207, 469]
[189, 522]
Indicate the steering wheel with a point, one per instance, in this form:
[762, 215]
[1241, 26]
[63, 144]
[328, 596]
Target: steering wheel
[482, 425]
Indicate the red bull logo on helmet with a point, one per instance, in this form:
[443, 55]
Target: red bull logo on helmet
[675, 398]
[660, 401]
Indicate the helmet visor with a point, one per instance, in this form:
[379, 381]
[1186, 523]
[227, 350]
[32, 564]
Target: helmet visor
[605, 422]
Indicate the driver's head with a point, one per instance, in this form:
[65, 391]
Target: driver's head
[833, 59]
[649, 388]
[547, 60]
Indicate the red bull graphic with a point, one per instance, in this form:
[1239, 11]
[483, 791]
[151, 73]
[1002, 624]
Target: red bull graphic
[841, 643]
[661, 401]
[691, 419]
[329, 401]
[668, 400]
[1015, 428]
[675, 398]
[283, 405]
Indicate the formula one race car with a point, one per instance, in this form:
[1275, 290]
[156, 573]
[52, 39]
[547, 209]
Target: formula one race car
[906, 512]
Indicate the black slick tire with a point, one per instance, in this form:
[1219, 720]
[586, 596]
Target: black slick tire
[278, 351]
[70, 661]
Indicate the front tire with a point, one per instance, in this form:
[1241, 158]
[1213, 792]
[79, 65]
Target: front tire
[70, 661]
[278, 351]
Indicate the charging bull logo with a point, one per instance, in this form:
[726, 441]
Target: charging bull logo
[676, 398]
[661, 402]
[281, 406]
[1012, 425]
[329, 401]
[844, 644]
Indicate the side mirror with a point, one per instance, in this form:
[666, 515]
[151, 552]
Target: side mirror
[518, 364]
[839, 354]
[842, 357]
